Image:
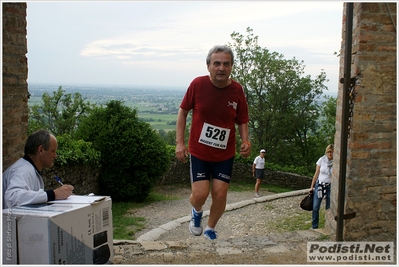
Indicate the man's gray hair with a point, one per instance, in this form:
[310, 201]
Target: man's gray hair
[39, 137]
[217, 49]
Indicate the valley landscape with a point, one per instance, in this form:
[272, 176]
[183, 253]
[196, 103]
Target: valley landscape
[157, 106]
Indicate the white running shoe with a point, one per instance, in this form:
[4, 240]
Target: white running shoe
[195, 223]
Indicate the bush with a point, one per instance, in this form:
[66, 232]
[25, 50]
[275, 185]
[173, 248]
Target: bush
[133, 156]
[76, 151]
[290, 169]
[171, 150]
[239, 158]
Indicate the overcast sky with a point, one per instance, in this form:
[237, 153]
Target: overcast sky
[164, 43]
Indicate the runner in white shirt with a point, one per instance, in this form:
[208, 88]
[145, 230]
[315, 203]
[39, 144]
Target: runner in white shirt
[258, 170]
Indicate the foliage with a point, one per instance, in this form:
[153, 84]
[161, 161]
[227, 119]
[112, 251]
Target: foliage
[239, 158]
[75, 151]
[283, 102]
[326, 129]
[133, 156]
[171, 151]
[169, 137]
[59, 113]
[300, 170]
[324, 133]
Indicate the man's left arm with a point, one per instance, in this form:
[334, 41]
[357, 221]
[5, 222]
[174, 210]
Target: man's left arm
[23, 190]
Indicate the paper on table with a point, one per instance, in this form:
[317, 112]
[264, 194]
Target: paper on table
[77, 199]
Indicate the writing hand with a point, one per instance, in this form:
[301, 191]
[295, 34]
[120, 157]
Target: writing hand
[63, 192]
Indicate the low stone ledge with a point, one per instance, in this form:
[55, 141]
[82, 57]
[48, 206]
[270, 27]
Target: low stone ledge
[240, 204]
[170, 225]
[184, 219]
[151, 235]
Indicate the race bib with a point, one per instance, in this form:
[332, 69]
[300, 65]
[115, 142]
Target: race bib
[214, 136]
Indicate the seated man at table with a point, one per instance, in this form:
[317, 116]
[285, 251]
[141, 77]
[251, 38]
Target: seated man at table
[23, 183]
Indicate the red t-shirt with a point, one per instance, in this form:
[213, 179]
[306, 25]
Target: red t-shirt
[215, 113]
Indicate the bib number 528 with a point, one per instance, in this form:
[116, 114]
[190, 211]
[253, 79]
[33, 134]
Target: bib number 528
[215, 133]
[214, 136]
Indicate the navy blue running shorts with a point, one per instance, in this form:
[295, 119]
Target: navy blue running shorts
[203, 170]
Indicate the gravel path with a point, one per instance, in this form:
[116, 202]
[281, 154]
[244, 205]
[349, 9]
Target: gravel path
[259, 233]
[255, 219]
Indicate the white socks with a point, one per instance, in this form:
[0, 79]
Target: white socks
[209, 228]
[197, 211]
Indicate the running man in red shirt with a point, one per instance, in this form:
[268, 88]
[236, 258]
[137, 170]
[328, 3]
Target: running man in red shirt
[218, 103]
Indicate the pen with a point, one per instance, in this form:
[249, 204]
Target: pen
[58, 180]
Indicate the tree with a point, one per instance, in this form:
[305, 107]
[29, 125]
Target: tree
[59, 113]
[324, 134]
[133, 156]
[168, 137]
[327, 122]
[282, 101]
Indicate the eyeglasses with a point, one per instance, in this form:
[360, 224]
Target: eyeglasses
[330, 152]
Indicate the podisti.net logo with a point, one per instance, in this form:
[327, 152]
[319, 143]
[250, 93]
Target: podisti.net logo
[356, 252]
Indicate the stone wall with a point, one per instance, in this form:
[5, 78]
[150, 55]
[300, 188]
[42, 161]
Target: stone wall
[371, 162]
[84, 178]
[15, 86]
[179, 173]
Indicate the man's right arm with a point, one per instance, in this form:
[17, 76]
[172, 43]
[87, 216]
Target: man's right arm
[181, 150]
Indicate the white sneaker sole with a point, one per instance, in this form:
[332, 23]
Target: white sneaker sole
[197, 231]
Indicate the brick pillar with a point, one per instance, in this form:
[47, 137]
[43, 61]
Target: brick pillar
[371, 162]
[15, 87]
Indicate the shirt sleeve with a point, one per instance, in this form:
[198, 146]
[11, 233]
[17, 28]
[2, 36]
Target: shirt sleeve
[188, 99]
[21, 190]
[256, 160]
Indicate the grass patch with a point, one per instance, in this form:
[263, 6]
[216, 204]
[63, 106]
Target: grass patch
[245, 186]
[299, 220]
[125, 224]
[324, 238]
[275, 188]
